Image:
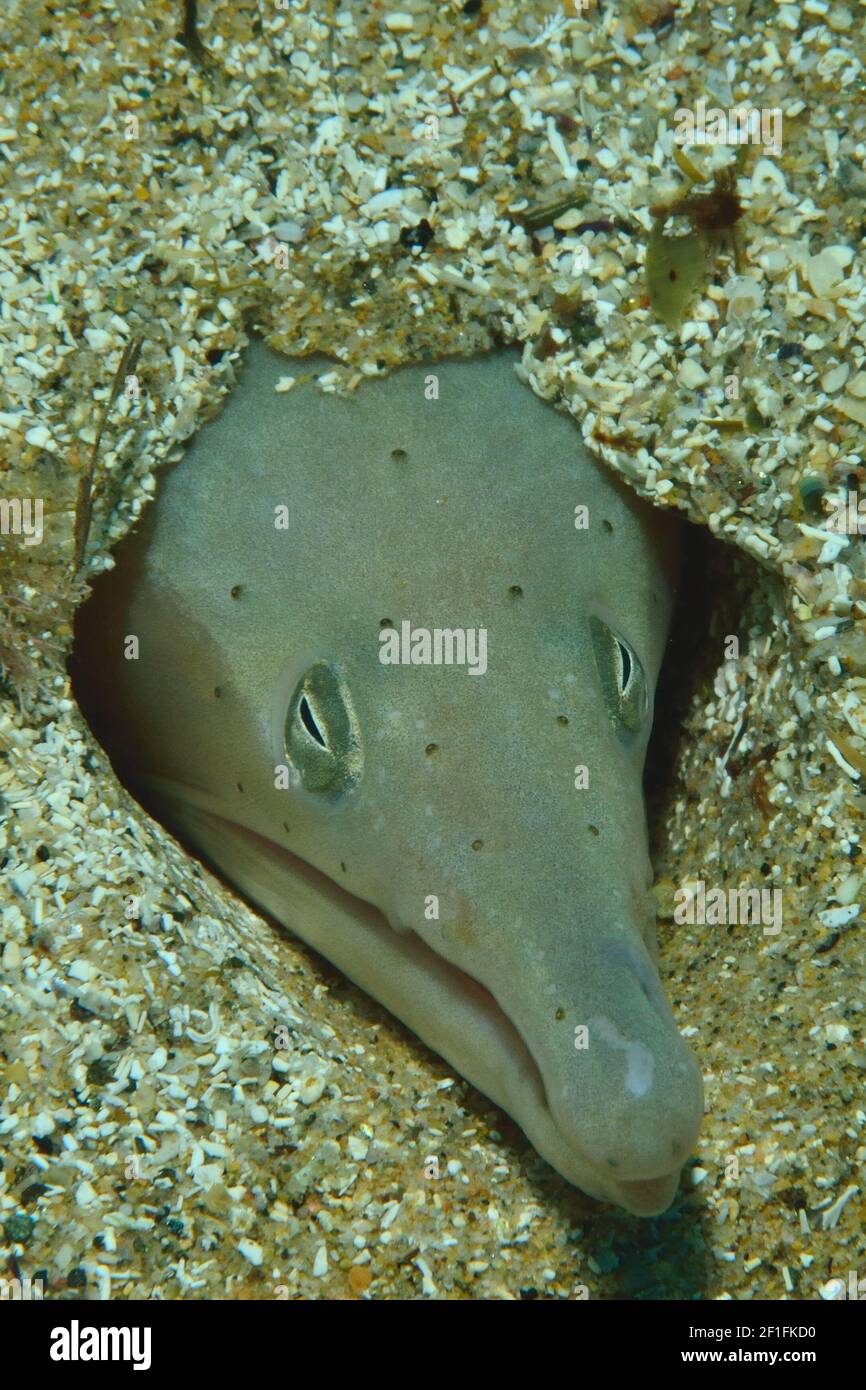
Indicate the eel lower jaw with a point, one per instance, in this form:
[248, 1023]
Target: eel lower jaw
[437, 1000]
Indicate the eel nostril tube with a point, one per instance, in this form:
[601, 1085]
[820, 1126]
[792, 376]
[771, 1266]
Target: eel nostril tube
[632, 957]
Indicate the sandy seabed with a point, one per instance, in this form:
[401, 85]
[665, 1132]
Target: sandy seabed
[386, 185]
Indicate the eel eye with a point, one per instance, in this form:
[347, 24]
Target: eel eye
[623, 682]
[322, 736]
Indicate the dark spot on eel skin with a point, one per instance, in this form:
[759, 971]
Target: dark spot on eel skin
[399, 455]
[594, 829]
[217, 692]
[386, 622]
[562, 719]
[516, 591]
[240, 786]
[236, 591]
[559, 1015]
[431, 749]
[607, 526]
[477, 844]
[343, 867]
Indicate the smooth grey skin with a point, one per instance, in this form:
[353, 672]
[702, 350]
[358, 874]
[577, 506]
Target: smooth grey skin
[437, 511]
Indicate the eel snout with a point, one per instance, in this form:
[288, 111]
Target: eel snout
[623, 1089]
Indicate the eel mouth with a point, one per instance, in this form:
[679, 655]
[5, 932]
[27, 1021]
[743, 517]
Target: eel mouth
[358, 939]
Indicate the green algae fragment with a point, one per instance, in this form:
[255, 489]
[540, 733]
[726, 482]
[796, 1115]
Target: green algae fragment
[812, 495]
[18, 1229]
[754, 419]
[675, 267]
